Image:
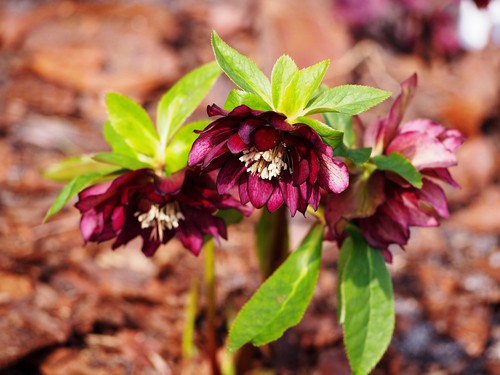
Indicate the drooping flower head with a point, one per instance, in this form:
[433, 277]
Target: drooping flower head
[271, 161]
[382, 203]
[141, 203]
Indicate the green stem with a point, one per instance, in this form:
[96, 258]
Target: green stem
[209, 252]
[272, 240]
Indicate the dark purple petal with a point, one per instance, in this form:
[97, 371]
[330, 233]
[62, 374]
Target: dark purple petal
[229, 175]
[300, 172]
[275, 200]
[170, 184]
[290, 195]
[246, 128]
[278, 121]
[235, 144]
[333, 175]
[191, 237]
[203, 148]
[243, 189]
[265, 138]
[149, 246]
[215, 110]
[259, 190]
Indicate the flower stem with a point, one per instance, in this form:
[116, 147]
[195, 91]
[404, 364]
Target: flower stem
[211, 306]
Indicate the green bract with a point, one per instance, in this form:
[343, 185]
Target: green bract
[282, 299]
[134, 140]
[365, 302]
[397, 163]
[292, 92]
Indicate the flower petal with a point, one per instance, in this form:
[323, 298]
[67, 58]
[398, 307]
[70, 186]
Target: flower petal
[333, 175]
[170, 184]
[235, 144]
[275, 200]
[265, 138]
[229, 175]
[435, 196]
[422, 150]
[259, 190]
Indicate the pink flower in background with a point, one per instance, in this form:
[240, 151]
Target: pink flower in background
[383, 204]
[271, 161]
[140, 203]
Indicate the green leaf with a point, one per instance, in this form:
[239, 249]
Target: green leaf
[68, 169]
[241, 70]
[397, 163]
[121, 160]
[282, 299]
[367, 303]
[73, 187]
[302, 87]
[177, 152]
[238, 97]
[332, 137]
[342, 122]
[183, 98]
[130, 121]
[117, 142]
[283, 71]
[357, 155]
[348, 99]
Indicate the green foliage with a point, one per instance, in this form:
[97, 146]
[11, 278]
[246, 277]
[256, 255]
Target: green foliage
[347, 99]
[397, 163]
[303, 85]
[283, 72]
[238, 97]
[183, 98]
[68, 169]
[241, 70]
[282, 299]
[366, 302]
[357, 155]
[121, 160]
[131, 122]
[342, 122]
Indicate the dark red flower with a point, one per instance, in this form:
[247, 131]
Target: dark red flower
[141, 203]
[382, 203]
[271, 161]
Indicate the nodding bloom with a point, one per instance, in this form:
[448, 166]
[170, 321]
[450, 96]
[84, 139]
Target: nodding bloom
[271, 161]
[141, 203]
[383, 204]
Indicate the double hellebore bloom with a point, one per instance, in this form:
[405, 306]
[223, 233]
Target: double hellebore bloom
[383, 204]
[141, 203]
[271, 161]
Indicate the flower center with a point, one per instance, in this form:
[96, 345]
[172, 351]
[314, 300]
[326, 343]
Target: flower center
[161, 218]
[267, 164]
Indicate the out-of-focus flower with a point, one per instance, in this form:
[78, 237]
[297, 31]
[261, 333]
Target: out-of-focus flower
[141, 203]
[383, 204]
[271, 161]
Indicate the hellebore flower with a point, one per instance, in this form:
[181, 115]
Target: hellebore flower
[141, 203]
[383, 204]
[271, 161]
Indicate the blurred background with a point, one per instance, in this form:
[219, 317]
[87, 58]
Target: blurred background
[70, 309]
